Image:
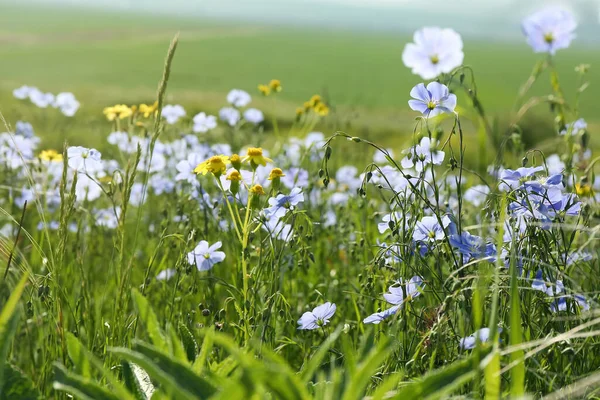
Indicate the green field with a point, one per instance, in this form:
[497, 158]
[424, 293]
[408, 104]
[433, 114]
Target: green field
[107, 58]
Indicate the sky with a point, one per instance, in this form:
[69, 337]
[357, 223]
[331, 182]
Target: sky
[489, 19]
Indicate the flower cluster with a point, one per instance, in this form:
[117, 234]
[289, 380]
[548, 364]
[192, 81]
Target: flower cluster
[64, 101]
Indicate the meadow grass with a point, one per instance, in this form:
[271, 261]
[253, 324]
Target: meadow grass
[181, 264]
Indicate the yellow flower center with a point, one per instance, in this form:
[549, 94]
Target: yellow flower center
[257, 189]
[549, 37]
[431, 105]
[434, 58]
[276, 173]
[234, 176]
[207, 256]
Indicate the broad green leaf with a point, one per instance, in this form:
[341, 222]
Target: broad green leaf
[176, 377]
[148, 318]
[189, 342]
[175, 346]
[18, 385]
[492, 375]
[78, 355]
[79, 386]
[366, 369]
[9, 317]
[137, 381]
[207, 344]
[315, 361]
[441, 382]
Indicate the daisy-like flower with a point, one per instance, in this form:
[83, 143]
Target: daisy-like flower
[216, 164]
[255, 156]
[550, 30]
[119, 111]
[229, 115]
[317, 318]
[172, 113]
[254, 116]
[238, 98]
[83, 159]
[275, 174]
[148, 110]
[204, 123]
[204, 256]
[51, 155]
[434, 51]
[397, 298]
[433, 100]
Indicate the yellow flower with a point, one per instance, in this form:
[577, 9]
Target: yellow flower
[276, 173]
[236, 161]
[51, 155]
[315, 100]
[255, 156]
[216, 164]
[148, 110]
[257, 189]
[299, 111]
[120, 111]
[234, 176]
[264, 89]
[322, 109]
[275, 85]
[583, 190]
[307, 106]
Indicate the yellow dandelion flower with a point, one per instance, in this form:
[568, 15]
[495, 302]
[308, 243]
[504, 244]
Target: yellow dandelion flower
[583, 190]
[264, 89]
[275, 85]
[322, 109]
[120, 111]
[255, 156]
[315, 100]
[257, 189]
[51, 155]
[234, 176]
[276, 173]
[148, 110]
[216, 164]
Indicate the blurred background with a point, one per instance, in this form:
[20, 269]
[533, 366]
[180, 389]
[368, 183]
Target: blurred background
[349, 51]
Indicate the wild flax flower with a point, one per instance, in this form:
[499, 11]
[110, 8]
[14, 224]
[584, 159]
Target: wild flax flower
[119, 111]
[433, 100]
[317, 318]
[255, 157]
[205, 256]
[550, 30]
[396, 297]
[216, 165]
[434, 51]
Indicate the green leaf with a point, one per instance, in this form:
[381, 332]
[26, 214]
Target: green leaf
[492, 375]
[315, 361]
[441, 382]
[175, 346]
[517, 374]
[366, 369]
[137, 381]
[18, 385]
[79, 386]
[202, 358]
[175, 377]
[189, 342]
[149, 320]
[78, 355]
[9, 317]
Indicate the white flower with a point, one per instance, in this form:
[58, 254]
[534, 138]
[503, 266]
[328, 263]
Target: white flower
[254, 116]
[23, 92]
[204, 256]
[86, 188]
[83, 159]
[41, 99]
[166, 274]
[433, 52]
[66, 103]
[172, 113]
[204, 123]
[238, 98]
[318, 317]
[229, 115]
[550, 30]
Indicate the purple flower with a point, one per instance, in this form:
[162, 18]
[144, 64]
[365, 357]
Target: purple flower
[472, 247]
[549, 30]
[435, 99]
[282, 203]
[575, 127]
[433, 52]
[318, 317]
[468, 343]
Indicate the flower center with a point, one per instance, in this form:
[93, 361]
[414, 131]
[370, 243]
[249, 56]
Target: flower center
[431, 105]
[255, 151]
[431, 234]
[434, 58]
[215, 160]
[320, 322]
[207, 256]
[549, 37]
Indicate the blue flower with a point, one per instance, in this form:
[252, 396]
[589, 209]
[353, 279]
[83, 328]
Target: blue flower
[435, 99]
[282, 203]
[550, 30]
[397, 298]
[430, 230]
[318, 317]
[468, 343]
[575, 127]
[512, 179]
[472, 247]
[204, 256]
